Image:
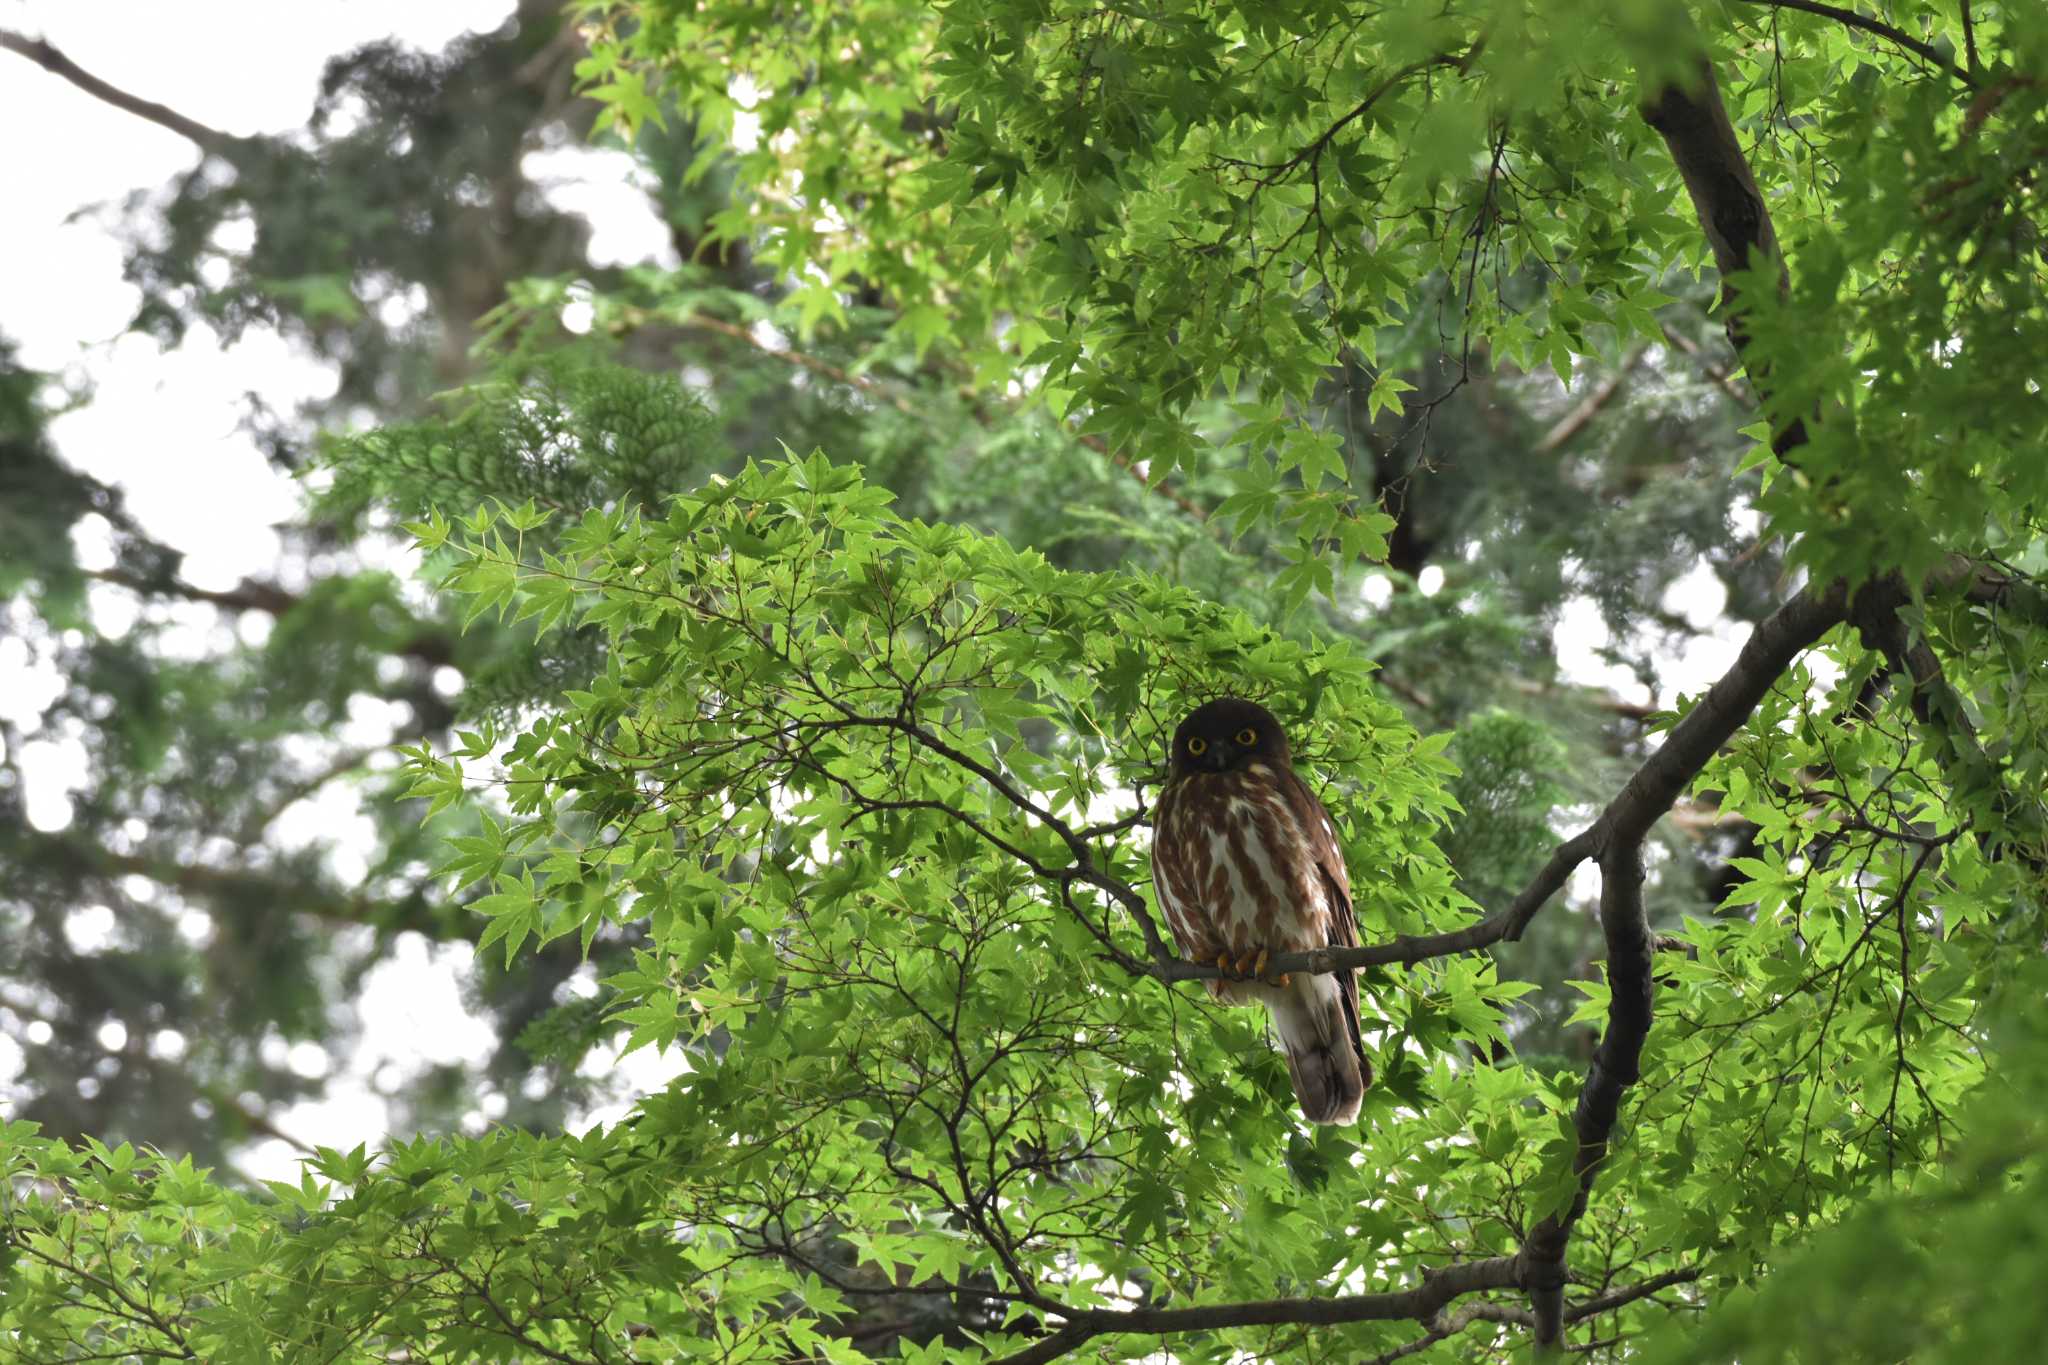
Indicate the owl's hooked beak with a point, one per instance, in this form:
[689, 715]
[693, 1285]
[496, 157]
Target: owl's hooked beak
[1215, 759]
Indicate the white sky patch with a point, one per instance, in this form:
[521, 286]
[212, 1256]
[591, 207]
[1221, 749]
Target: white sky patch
[401, 308]
[90, 929]
[29, 681]
[1430, 581]
[1698, 596]
[1578, 638]
[578, 313]
[253, 628]
[92, 541]
[639, 1073]
[308, 1060]
[114, 609]
[163, 425]
[1826, 672]
[768, 336]
[1701, 599]
[397, 553]
[746, 124]
[609, 189]
[333, 818]
[50, 771]
[1377, 590]
[190, 631]
[411, 1007]
[348, 1113]
[12, 1060]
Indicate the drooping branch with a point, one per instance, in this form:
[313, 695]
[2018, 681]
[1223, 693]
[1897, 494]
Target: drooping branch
[57, 64]
[286, 894]
[1849, 18]
[1720, 377]
[1271, 173]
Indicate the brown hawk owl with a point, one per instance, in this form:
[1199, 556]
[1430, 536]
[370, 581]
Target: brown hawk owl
[1245, 863]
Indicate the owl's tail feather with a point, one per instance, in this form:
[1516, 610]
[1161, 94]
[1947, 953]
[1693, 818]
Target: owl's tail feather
[1318, 1026]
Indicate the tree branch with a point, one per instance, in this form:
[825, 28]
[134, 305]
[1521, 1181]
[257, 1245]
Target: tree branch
[1973, 775]
[1621, 1298]
[210, 140]
[212, 886]
[1421, 1303]
[1927, 52]
[1587, 408]
[252, 594]
[1722, 379]
[1695, 126]
[1618, 834]
[1425, 1304]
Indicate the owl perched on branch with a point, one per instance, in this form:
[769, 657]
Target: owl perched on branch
[1246, 866]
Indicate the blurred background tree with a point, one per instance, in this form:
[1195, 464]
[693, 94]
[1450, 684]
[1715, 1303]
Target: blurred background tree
[1561, 562]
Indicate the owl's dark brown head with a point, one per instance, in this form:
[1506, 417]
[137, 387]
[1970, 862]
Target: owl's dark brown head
[1224, 735]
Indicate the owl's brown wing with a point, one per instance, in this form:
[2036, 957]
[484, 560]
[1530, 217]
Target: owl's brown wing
[1329, 861]
[1178, 867]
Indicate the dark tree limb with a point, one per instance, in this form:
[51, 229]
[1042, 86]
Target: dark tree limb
[1695, 126]
[1618, 835]
[1422, 1303]
[207, 139]
[1426, 1303]
[1849, 18]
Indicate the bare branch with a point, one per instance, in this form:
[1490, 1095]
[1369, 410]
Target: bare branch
[57, 64]
[1721, 378]
[1586, 409]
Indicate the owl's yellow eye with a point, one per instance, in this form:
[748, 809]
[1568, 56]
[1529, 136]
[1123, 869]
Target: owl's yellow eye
[1247, 737]
[1197, 745]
